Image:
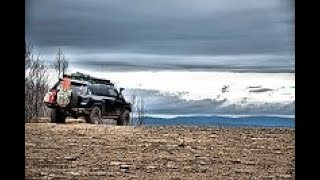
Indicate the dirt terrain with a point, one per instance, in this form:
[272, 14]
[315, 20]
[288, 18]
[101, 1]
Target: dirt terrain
[85, 151]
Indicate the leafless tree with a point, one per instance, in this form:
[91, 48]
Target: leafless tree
[36, 84]
[61, 63]
[36, 81]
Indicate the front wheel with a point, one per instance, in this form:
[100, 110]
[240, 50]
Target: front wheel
[124, 119]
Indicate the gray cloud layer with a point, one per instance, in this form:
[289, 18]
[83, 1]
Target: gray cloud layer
[162, 104]
[179, 27]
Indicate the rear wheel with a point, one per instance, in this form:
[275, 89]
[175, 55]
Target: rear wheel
[57, 116]
[124, 119]
[95, 116]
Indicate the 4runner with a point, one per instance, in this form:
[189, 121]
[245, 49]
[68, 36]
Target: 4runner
[82, 95]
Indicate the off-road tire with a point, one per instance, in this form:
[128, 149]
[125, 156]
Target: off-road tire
[95, 116]
[124, 119]
[57, 116]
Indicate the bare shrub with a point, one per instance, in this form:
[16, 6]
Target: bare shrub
[138, 110]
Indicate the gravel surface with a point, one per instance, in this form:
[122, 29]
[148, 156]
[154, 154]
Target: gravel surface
[86, 151]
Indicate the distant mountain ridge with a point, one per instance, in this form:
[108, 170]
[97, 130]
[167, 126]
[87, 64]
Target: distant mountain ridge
[216, 120]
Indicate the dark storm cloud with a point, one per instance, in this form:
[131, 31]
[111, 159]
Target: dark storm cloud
[136, 62]
[179, 27]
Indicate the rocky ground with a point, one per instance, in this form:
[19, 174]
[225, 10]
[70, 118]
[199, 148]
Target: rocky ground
[85, 151]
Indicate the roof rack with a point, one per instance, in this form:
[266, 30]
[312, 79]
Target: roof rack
[100, 81]
[85, 77]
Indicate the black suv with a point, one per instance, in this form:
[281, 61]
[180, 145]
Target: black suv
[82, 95]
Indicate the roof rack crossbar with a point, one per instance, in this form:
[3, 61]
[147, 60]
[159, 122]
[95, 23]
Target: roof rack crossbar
[85, 77]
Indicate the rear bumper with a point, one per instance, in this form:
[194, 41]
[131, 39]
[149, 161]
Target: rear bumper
[71, 110]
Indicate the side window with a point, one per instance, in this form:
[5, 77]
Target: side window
[104, 90]
[113, 92]
[94, 90]
[100, 90]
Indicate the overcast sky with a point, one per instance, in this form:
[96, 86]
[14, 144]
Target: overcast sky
[166, 34]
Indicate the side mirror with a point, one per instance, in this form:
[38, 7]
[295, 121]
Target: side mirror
[121, 89]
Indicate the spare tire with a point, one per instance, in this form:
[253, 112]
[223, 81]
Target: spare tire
[124, 119]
